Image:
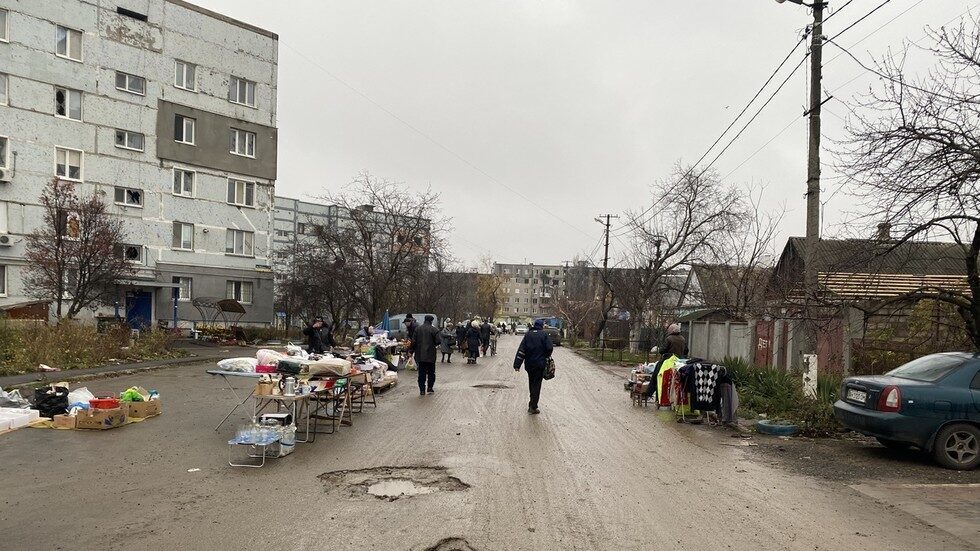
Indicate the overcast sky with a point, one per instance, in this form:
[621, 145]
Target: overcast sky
[576, 105]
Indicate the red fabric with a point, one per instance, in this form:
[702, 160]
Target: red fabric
[664, 393]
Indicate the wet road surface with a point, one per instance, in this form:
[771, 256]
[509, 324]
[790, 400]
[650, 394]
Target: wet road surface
[590, 472]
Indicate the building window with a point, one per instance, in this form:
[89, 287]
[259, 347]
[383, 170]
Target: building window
[184, 75]
[68, 103]
[130, 83]
[4, 30]
[183, 236]
[129, 197]
[184, 129]
[132, 253]
[241, 193]
[241, 91]
[3, 280]
[69, 43]
[301, 228]
[68, 163]
[184, 287]
[242, 142]
[3, 89]
[239, 242]
[126, 139]
[3, 152]
[240, 291]
[183, 182]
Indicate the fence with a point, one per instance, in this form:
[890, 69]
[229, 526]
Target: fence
[715, 340]
[618, 350]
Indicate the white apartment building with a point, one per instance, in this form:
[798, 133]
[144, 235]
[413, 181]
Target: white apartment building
[529, 290]
[168, 112]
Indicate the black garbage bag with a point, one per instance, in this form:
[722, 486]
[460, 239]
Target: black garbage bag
[51, 401]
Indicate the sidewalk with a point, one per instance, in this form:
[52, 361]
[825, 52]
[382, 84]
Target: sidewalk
[198, 352]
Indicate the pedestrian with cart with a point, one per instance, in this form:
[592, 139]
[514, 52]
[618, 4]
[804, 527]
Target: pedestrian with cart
[533, 354]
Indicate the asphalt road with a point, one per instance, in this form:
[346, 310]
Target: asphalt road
[590, 472]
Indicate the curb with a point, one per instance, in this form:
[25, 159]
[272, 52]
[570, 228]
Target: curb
[46, 378]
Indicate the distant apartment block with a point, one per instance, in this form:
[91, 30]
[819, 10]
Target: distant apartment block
[529, 290]
[168, 112]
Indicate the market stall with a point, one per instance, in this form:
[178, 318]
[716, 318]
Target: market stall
[694, 389]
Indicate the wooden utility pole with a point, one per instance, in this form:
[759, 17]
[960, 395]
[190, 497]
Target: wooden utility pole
[810, 282]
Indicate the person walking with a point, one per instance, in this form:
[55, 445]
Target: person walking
[461, 336]
[426, 343]
[533, 353]
[319, 336]
[473, 341]
[447, 342]
[485, 330]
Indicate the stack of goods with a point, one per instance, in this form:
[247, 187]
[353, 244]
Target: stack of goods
[81, 409]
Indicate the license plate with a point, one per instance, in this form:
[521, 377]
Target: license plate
[857, 395]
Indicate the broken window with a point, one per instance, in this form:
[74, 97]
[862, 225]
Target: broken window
[184, 129]
[129, 196]
[130, 83]
[242, 142]
[132, 253]
[241, 193]
[183, 182]
[184, 74]
[68, 163]
[241, 91]
[129, 140]
[69, 43]
[68, 103]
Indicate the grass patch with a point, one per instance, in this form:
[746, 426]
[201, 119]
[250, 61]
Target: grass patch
[71, 345]
[779, 395]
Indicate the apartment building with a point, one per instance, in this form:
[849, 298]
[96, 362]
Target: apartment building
[529, 290]
[168, 112]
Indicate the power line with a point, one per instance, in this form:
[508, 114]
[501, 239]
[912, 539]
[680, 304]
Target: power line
[862, 18]
[431, 139]
[838, 10]
[739, 116]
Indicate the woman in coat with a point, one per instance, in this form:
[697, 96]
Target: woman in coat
[461, 336]
[447, 342]
[473, 341]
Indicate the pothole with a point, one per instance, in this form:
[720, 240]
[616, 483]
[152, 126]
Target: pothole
[451, 544]
[492, 385]
[391, 483]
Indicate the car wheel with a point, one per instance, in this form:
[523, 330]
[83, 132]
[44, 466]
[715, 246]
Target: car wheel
[893, 444]
[958, 447]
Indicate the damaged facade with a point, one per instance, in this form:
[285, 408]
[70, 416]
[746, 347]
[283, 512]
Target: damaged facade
[168, 112]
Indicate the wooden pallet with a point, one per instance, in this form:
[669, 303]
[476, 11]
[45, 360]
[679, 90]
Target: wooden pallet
[384, 387]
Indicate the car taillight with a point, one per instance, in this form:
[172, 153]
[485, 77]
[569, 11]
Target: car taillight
[890, 399]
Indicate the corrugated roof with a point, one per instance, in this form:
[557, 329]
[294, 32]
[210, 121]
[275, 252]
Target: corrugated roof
[871, 256]
[864, 285]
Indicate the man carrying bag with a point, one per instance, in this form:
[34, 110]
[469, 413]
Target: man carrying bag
[535, 354]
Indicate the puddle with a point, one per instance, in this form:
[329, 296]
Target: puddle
[394, 488]
[492, 385]
[451, 544]
[391, 483]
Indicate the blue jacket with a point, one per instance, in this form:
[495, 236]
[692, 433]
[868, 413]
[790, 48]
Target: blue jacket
[534, 351]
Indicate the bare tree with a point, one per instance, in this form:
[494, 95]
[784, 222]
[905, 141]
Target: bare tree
[75, 256]
[311, 284]
[692, 214]
[386, 238]
[489, 292]
[913, 155]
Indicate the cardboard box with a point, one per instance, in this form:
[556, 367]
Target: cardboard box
[140, 410]
[64, 421]
[100, 419]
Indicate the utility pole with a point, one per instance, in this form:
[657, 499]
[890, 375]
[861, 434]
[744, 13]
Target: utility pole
[605, 273]
[607, 224]
[810, 282]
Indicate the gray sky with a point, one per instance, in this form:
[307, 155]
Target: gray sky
[578, 105]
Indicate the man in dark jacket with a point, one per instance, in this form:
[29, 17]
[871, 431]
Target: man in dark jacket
[485, 336]
[425, 345]
[534, 352]
[319, 337]
[461, 335]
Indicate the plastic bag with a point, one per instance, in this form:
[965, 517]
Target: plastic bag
[13, 399]
[240, 365]
[134, 394]
[296, 351]
[269, 357]
[79, 398]
[51, 401]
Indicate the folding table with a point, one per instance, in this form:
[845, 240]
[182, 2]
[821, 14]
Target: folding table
[241, 401]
